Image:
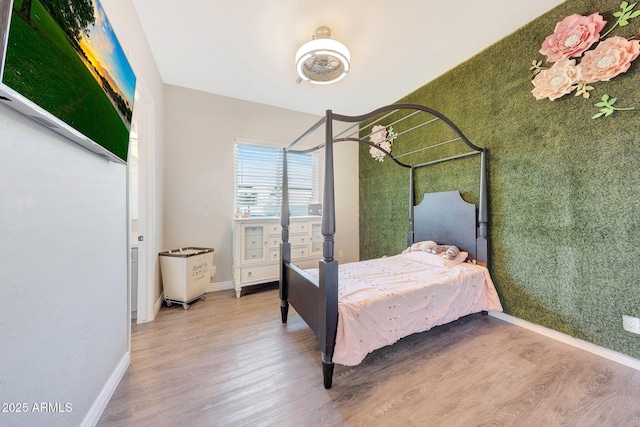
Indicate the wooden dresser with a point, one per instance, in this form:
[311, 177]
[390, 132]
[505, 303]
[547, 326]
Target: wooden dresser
[256, 248]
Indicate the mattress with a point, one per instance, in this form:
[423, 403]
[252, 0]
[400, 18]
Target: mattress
[385, 299]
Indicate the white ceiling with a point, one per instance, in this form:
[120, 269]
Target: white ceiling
[245, 48]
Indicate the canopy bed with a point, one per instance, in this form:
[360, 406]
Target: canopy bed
[359, 307]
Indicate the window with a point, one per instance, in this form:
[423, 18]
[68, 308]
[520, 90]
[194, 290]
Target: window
[258, 180]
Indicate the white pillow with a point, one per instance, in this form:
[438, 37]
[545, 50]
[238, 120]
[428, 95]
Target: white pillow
[436, 260]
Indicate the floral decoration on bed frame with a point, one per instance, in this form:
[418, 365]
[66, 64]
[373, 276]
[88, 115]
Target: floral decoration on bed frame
[576, 67]
[382, 137]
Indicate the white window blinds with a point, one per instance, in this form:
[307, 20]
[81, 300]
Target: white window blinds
[258, 180]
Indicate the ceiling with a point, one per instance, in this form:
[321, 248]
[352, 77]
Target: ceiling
[245, 49]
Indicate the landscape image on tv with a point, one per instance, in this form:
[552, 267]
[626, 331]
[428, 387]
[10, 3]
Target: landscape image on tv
[63, 56]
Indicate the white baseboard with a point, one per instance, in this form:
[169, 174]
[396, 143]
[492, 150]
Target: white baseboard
[220, 286]
[157, 305]
[101, 402]
[575, 342]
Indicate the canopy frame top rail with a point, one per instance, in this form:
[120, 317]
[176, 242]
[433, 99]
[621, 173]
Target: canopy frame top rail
[380, 114]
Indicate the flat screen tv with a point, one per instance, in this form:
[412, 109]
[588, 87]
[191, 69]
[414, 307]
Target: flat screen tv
[62, 65]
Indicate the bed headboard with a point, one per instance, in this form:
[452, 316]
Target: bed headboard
[447, 219]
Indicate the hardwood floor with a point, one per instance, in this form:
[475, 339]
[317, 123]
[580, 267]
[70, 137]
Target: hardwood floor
[231, 362]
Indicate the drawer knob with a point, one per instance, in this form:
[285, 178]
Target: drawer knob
[249, 274]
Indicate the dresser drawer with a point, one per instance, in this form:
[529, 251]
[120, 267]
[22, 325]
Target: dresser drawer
[253, 243]
[253, 231]
[253, 254]
[264, 272]
[274, 230]
[274, 242]
[298, 240]
[299, 252]
[299, 227]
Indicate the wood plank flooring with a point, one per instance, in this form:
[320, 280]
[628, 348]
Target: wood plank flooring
[231, 362]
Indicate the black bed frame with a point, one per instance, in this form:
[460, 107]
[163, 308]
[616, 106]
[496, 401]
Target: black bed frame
[442, 217]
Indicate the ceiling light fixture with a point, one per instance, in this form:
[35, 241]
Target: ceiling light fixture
[322, 60]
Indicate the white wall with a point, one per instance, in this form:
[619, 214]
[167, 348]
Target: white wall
[63, 265]
[64, 320]
[200, 133]
[150, 87]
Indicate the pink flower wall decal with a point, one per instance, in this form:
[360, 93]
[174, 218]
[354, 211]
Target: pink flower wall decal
[611, 57]
[582, 56]
[557, 81]
[382, 137]
[572, 36]
[378, 134]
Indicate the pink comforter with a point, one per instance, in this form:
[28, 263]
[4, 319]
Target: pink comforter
[385, 299]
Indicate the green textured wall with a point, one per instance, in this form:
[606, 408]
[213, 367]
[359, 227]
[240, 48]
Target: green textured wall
[563, 188]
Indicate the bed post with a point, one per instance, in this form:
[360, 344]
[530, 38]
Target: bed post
[482, 241]
[285, 246]
[328, 266]
[411, 234]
